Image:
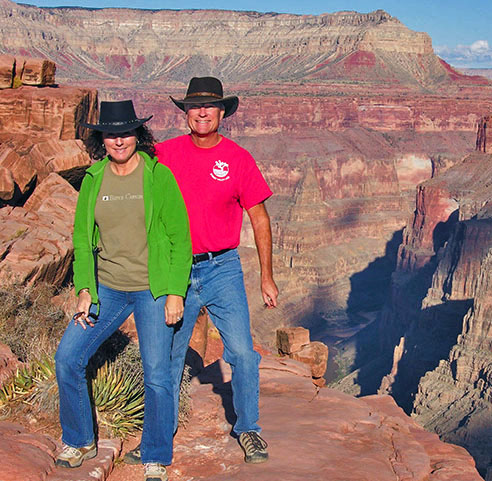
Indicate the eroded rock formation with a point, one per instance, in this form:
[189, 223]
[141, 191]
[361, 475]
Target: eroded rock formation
[440, 304]
[40, 162]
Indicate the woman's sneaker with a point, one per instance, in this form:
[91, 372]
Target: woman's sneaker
[73, 457]
[134, 456]
[254, 447]
[155, 472]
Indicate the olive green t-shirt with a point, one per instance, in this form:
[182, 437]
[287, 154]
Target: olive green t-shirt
[120, 216]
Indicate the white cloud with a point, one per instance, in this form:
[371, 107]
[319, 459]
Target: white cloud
[476, 55]
[479, 47]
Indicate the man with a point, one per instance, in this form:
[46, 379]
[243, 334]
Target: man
[218, 179]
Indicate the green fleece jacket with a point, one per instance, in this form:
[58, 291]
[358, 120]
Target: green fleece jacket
[166, 220]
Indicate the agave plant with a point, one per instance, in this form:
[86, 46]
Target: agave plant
[118, 395]
[119, 400]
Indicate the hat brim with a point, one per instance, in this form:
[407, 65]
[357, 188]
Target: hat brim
[116, 128]
[230, 103]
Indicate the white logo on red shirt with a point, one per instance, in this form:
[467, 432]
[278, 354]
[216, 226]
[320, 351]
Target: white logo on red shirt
[220, 171]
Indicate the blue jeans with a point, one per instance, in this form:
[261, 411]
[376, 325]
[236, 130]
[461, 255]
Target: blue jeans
[218, 285]
[155, 339]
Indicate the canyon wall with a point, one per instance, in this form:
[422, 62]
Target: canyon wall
[439, 318]
[165, 45]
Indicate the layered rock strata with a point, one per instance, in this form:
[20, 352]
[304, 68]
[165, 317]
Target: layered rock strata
[30, 71]
[242, 46]
[40, 162]
[440, 304]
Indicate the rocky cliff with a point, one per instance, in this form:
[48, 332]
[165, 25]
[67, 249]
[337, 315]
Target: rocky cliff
[41, 165]
[164, 45]
[323, 427]
[438, 320]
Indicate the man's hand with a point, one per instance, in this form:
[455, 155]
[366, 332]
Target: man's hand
[269, 291]
[260, 221]
[173, 309]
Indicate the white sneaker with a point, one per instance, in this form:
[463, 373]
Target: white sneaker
[73, 457]
[155, 472]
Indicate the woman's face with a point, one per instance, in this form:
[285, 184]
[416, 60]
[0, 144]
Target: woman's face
[120, 146]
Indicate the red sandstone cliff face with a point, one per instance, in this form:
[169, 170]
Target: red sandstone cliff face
[243, 46]
[39, 157]
[440, 307]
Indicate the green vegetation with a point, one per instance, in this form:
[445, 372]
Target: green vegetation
[32, 326]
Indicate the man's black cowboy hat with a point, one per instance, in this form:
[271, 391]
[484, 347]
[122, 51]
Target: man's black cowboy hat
[207, 90]
[117, 117]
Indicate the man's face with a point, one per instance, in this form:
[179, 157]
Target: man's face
[203, 119]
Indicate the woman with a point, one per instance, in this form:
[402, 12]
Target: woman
[132, 253]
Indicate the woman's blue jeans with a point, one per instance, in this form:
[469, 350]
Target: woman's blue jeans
[218, 285]
[155, 339]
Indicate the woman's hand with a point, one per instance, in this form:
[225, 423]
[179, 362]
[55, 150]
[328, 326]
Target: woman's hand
[83, 306]
[173, 309]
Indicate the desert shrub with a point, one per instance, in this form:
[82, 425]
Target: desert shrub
[118, 396]
[30, 324]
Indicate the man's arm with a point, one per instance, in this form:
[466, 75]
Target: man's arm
[263, 239]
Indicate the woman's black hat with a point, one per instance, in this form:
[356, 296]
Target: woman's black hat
[207, 90]
[116, 117]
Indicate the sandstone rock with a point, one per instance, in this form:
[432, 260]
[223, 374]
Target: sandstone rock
[25, 456]
[376, 47]
[7, 71]
[36, 241]
[29, 456]
[21, 167]
[199, 337]
[39, 72]
[7, 184]
[55, 155]
[95, 469]
[484, 144]
[8, 363]
[53, 113]
[315, 354]
[440, 310]
[324, 429]
[292, 339]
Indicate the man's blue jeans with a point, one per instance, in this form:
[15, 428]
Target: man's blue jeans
[218, 285]
[155, 339]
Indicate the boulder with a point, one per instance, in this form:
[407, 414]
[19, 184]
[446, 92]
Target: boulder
[21, 167]
[7, 71]
[56, 155]
[39, 72]
[7, 184]
[291, 339]
[36, 240]
[316, 355]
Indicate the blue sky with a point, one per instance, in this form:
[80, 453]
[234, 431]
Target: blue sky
[461, 31]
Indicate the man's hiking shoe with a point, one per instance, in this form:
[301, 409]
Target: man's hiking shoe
[73, 457]
[134, 456]
[254, 447]
[155, 472]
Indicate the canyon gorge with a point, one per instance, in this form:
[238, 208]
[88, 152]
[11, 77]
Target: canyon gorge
[376, 151]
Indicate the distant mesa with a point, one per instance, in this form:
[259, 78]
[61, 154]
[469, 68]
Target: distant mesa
[158, 46]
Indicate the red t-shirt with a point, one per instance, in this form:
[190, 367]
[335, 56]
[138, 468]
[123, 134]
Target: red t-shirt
[216, 185]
